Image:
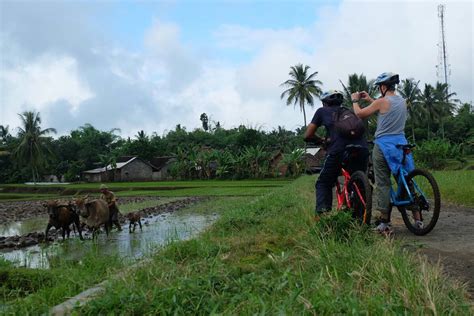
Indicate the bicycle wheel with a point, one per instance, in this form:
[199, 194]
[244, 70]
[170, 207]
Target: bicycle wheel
[360, 195]
[426, 205]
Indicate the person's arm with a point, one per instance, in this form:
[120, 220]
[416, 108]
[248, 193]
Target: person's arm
[310, 132]
[112, 199]
[368, 110]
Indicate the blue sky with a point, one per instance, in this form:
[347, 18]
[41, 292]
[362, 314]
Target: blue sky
[127, 21]
[150, 65]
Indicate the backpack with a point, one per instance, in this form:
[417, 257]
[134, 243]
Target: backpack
[347, 124]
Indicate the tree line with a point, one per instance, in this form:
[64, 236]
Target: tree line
[437, 121]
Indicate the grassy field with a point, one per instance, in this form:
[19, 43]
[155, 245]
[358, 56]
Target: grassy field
[264, 255]
[30, 291]
[268, 256]
[165, 189]
[456, 186]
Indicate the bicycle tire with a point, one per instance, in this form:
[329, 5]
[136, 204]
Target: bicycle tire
[359, 211]
[436, 201]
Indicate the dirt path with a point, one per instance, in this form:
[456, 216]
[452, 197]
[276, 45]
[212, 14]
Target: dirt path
[451, 242]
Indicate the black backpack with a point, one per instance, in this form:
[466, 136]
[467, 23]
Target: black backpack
[347, 124]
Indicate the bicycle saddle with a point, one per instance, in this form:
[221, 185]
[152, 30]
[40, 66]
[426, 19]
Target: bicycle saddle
[406, 146]
[352, 146]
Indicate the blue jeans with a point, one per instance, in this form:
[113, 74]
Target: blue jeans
[329, 173]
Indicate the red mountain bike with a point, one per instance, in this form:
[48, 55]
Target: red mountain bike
[354, 193]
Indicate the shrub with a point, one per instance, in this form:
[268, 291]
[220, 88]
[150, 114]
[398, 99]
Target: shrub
[433, 153]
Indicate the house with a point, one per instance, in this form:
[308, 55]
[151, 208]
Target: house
[128, 168]
[162, 165]
[314, 159]
[276, 165]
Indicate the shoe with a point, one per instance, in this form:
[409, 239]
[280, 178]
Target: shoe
[384, 229]
[419, 225]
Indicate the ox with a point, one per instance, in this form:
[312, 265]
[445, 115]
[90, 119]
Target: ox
[96, 214]
[134, 218]
[62, 216]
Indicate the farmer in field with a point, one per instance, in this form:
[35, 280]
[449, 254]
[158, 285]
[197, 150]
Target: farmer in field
[109, 197]
[336, 143]
[392, 115]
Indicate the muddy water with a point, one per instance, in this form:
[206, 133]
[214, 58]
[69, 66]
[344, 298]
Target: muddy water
[157, 231]
[24, 227]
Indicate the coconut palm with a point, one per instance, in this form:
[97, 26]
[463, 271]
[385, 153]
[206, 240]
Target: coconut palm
[5, 138]
[409, 90]
[108, 160]
[359, 83]
[302, 88]
[33, 147]
[445, 102]
[356, 83]
[429, 105]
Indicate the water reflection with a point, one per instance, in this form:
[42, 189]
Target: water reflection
[24, 227]
[160, 230]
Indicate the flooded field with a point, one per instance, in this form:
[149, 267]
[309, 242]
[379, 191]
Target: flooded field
[163, 220]
[157, 231]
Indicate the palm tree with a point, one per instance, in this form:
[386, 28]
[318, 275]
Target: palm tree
[445, 103]
[301, 88]
[359, 83]
[428, 102]
[107, 160]
[33, 147]
[142, 136]
[5, 138]
[356, 83]
[409, 90]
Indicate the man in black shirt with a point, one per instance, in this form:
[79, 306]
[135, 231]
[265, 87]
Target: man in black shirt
[335, 146]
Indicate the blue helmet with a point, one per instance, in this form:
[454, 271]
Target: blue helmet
[332, 97]
[388, 79]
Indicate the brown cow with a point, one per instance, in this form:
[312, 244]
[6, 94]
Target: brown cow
[134, 218]
[96, 214]
[62, 216]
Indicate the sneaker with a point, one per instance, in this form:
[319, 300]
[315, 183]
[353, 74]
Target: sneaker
[419, 225]
[384, 229]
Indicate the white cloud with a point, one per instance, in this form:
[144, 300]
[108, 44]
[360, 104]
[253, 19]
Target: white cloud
[169, 83]
[39, 83]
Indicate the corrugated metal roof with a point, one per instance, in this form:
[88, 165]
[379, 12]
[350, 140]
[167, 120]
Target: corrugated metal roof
[109, 167]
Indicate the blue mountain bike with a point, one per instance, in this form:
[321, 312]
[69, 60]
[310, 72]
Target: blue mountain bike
[416, 196]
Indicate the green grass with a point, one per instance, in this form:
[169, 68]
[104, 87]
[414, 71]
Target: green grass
[25, 196]
[164, 189]
[265, 255]
[158, 184]
[456, 186]
[269, 257]
[29, 291]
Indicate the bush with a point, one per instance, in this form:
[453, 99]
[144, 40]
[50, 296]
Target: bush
[433, 153]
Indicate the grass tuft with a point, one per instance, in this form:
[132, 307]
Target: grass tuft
[269, 257]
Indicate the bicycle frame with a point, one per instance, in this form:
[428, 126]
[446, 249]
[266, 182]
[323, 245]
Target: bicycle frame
[342, 192]
[402, 184]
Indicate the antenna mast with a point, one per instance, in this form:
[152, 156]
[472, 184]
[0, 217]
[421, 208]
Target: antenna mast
[443, 70]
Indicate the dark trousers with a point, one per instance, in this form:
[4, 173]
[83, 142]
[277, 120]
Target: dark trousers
[332, 169]
[113, 217]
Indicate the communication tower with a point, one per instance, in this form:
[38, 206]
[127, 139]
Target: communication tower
[443, 70]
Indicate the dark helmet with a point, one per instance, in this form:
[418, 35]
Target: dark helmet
[388, 79]
[332, 97]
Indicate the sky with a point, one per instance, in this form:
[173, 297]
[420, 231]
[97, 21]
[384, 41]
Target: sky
[150, 65]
